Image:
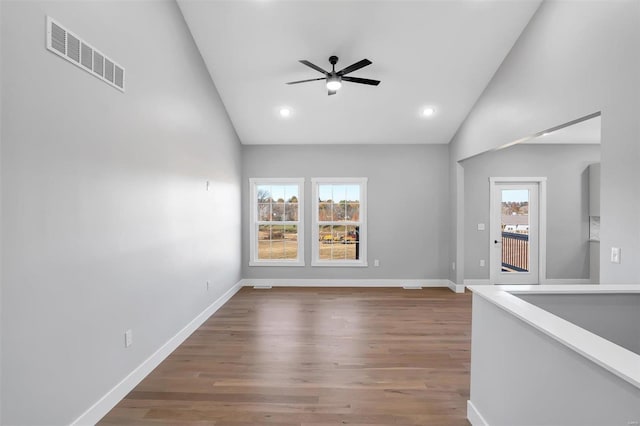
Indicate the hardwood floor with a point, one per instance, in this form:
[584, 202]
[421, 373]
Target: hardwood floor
[315, 357]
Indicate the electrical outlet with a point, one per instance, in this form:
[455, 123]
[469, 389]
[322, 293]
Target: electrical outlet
[481, 227]
[128, 338]
[482, 262]
[615, 255]
[376, 262]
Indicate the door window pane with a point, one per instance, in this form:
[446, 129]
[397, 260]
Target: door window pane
[515, 230]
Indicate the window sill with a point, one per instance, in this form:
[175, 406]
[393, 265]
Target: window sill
[276, 263]
[339, 264]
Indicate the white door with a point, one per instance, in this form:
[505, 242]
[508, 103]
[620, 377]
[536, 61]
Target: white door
[515, 218]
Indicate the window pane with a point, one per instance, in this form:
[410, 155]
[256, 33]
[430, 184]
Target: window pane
[353, 211]
[324, 212]
[339, 210]
[278, 242]
[325, 193]
[277, 192]
[339, 193]
[264, 211]
[277, 211]
[264, 242]
[353, 193]
[290, 242]
[263, 193]
[291, 211]
[338, 202]
[515, 230]
[291, 193]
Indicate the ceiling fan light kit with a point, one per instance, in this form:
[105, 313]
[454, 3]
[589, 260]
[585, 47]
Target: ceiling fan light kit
[335, 78]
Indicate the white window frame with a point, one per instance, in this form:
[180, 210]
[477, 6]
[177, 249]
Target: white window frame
[315, 222]
[254, 223]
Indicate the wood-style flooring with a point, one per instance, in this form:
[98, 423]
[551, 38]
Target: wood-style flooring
[316, 357]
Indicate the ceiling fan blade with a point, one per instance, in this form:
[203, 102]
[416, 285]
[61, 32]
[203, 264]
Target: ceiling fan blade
[332, 92]
[361, 80]
[351, 68]
[304, 81]
[314, 66]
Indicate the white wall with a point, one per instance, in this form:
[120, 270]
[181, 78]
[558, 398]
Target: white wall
[407, 194]
[106, 222]
[573, 59]
[566, 170]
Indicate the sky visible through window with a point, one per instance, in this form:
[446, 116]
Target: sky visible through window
[339, 192]
[515, 195]
[280, 192]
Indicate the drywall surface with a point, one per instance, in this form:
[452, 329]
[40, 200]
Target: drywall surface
[614, 317]
[521, 376]
[1, 101]
[574, 59]
[106, 221]
[566, 170]
[407, 194]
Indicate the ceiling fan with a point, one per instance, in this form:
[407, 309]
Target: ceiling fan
[335, 78]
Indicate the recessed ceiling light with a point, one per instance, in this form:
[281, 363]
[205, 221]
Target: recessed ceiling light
[285, 112]
[428, 112]
[545, 134]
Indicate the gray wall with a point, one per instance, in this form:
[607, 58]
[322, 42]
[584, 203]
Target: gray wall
[106, 222]
[559, 71]
[1, 313]
[566, 170]
[408, 217]
[520, 376]
[614, 317]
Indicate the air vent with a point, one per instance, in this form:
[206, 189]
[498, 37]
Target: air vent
[119, 77]
[69, 46]
[58, 38]
[73, 48]
[98, 63]
[86, 57]
[108, 70]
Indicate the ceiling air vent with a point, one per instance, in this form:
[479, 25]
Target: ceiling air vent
[69, 46]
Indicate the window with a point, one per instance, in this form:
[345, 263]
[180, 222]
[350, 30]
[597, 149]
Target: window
[339, 222]
[277, 231]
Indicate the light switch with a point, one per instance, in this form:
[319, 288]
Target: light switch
[615, 255]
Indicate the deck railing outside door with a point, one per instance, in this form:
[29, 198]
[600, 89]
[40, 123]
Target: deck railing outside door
[515, 252]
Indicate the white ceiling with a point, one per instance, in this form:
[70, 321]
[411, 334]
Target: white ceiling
[426, 53]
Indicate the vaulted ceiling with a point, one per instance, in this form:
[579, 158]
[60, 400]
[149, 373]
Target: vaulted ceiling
[439, 54]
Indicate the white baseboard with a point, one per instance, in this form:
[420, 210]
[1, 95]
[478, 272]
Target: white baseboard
[566, 281]
[547, 281]
[331, 282]
[98, 410]
[456, 288]
[477, 282]
[474, 416]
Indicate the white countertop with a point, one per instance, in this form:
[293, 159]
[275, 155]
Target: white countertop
[616, 359]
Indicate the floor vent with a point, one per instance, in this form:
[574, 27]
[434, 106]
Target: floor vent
[262, 287]
[69, 46]
[412, 287]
